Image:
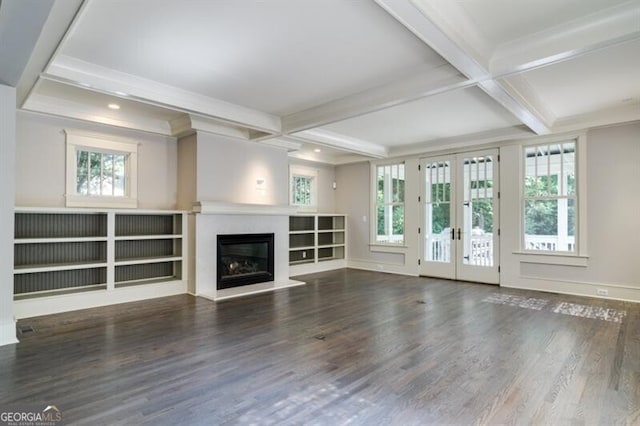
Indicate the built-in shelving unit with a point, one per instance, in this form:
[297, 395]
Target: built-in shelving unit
[317, 242]
[63, 252]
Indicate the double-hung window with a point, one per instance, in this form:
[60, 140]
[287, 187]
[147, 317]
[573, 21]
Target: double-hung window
[303, 191]
[550, 197]
[389, 208]
[101, 171]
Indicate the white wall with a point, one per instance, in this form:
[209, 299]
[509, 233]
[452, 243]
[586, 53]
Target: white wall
[228, 169]
[41, 154]
[326, 177]
[7, 179]
[613, 220]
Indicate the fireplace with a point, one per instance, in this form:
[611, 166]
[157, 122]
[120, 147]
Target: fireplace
[244, 259]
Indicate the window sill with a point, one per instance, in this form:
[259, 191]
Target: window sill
[304, 209]
[553, 258]
[388, 248]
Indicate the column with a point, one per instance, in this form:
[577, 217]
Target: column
[7, 200]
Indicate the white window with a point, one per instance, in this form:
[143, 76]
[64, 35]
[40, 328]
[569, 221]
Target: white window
[303, 192]
[550, 197]
[101, 171]
[389, 204]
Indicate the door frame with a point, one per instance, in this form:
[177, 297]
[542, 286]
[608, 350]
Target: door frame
[456, 268]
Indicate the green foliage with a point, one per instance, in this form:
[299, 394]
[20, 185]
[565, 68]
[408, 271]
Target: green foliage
[100, 174]
[541, 216]
[481, 213]
[397, 211]
[302, 190]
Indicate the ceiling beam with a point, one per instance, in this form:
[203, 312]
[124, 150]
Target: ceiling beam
[54, 29]
[610, 27]
[21, 23]
[426, 83]
[89, 76]
[426, 24]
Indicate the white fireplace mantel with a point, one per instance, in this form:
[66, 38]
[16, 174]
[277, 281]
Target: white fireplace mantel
[220, 207]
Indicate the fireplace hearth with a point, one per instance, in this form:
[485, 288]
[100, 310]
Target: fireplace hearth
[244, 259]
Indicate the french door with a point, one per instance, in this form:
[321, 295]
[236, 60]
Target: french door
[460, 211]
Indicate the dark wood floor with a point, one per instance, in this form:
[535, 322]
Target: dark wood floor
[350, 347]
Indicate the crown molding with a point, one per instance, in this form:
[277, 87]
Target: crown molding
[284, 142]
[90, 76]
[341, 142]
[68, 109]
[616, 115]
[188, 123]
[464, 141]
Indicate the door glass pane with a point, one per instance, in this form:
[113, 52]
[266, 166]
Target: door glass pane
[438, 212]
[477, 211]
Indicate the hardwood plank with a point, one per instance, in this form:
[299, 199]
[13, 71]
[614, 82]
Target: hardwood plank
[351, 346]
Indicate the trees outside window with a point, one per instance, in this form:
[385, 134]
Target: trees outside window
[550, 197]
[390, 190]
[101, 170]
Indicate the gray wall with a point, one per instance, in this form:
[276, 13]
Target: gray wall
[352, 197]
[326, 177]
[613, 225]
[187, 173]
[41, 156]
[228, 169]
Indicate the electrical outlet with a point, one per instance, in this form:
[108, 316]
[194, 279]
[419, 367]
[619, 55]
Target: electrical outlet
[364, 219]
[602, 292]
[304, 254]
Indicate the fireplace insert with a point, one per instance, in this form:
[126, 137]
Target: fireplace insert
[244, 259]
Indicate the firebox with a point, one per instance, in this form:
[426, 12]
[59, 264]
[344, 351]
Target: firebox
[244, 259]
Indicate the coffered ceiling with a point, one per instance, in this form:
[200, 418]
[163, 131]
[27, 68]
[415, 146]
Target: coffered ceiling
[355, 79]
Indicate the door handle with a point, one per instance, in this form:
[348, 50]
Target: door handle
[453, 233]
[459, 233]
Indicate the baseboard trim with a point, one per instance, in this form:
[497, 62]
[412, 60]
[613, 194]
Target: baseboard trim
[368, 265]
[8, 333]
[312, 268]
[576, 288]
[38, 306]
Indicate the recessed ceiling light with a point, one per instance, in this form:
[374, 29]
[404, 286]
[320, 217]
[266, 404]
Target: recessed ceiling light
[316, 150]
[113, 106]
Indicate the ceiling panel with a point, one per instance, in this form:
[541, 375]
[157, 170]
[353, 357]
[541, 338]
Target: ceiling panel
[446, 115]
[502, 21]
[597, 81]
[275, 56]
